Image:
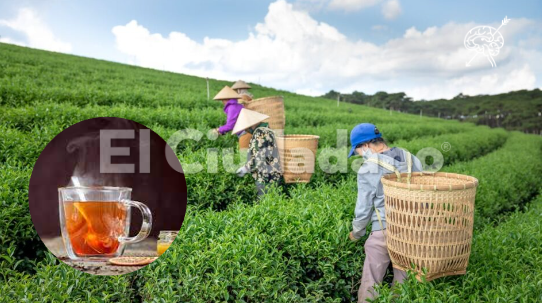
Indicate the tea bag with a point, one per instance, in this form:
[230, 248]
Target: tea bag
[87, 173]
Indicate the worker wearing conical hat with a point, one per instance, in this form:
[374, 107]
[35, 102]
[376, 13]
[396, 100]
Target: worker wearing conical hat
[263, 154]
[241, 87]
[379, 159]
[232, 108]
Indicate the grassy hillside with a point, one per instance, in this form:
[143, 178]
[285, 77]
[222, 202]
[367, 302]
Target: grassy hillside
[290, 247]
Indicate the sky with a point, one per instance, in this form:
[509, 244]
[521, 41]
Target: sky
[304, 46]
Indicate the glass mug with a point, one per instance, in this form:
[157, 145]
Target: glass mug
[95, 221]
[165, 239]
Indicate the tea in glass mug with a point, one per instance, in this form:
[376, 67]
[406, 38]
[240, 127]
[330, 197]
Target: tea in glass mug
[95, 221]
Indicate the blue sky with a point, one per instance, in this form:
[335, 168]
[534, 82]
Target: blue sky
[308, 46]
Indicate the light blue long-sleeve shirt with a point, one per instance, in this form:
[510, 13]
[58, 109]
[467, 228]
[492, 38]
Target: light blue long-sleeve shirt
[370, 189]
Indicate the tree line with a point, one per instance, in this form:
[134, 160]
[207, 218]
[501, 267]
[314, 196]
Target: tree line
[518, 110]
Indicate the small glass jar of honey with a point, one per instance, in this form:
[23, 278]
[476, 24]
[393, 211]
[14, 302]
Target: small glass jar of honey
[165, 238]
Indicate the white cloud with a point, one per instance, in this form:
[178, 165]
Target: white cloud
[37, 33]
[352, 5]
[391, 9]
[379, 27]
[291, 50]
[310, 92]
[492, 82]
[11, 41]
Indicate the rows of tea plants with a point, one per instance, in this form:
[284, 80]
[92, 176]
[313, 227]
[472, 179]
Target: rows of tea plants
[494, 195]
[217, 186]
[508, 177]
[175, 118]
[333, 163]
[290, 247]
[42, 81]
[295, 248]
[500, 270]
[39, 122]
[32, 77]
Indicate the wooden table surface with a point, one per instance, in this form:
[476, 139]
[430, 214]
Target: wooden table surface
[146, 248]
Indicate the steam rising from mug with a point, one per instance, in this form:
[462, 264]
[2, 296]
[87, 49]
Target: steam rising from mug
[87, 151]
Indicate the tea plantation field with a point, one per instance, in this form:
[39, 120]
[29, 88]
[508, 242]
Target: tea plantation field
[293, 245]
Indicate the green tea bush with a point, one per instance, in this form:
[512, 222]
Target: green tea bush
[25, 118]
[219, 186]
[392, 131]
[509, 177]
[55, 281]
[20, 245]
[480, 141]
[215, 187]
[23, 149]
[175, 118]
[302, 111]
[465, 146]
[15, 147]
[279, 250]
[29, 77]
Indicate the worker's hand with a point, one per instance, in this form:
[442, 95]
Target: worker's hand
[351, 237]
[242, 171]
[216, 131]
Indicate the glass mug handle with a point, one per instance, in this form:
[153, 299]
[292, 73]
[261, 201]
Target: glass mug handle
[146, 225]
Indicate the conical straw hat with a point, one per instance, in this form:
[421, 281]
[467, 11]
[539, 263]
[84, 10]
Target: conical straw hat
[240, 85]
[246, 119]
[227, 93]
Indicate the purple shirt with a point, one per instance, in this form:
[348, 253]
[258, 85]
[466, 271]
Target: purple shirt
[232, 110]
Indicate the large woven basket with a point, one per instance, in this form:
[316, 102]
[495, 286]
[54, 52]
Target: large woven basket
[429, 222]
[297, 157]
[271, 106]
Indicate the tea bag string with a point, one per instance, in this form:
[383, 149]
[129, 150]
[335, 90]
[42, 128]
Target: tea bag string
[82, 198]
[76, 183]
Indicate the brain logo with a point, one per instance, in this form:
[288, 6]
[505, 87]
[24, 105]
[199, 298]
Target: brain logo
[485, 40]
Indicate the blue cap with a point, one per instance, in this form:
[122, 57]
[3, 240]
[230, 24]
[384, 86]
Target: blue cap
[362, 133]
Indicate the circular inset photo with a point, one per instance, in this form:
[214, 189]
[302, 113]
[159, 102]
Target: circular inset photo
[107, 196]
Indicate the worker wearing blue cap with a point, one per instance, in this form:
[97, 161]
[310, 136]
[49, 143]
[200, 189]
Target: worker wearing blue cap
[379, 160]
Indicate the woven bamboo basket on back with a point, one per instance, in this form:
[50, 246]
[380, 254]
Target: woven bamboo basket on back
[273, 107]
[297, 157]
[429, 219]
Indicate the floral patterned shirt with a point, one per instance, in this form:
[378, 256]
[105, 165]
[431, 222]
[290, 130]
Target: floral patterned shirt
[263, 156]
